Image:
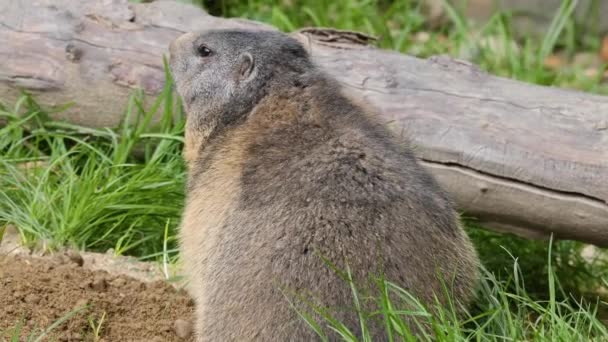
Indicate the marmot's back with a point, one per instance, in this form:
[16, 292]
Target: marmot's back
[301, 173]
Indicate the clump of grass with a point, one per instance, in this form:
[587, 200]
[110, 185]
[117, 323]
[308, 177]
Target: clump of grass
[504, 311]
[37, 335]
[394, 21]
[94, 188]
[96, 325]
[578, 277]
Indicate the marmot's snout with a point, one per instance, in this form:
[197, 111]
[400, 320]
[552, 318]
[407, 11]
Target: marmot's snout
[174, 48]
[177, 46]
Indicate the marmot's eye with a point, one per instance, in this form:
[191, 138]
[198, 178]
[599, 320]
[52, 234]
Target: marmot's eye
[203, 51]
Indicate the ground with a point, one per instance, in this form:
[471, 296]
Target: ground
[40, 290]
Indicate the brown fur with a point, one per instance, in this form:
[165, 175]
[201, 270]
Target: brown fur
[307, 173]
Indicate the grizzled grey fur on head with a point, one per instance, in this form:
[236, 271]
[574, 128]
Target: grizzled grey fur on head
[235, 72]
[285, 168]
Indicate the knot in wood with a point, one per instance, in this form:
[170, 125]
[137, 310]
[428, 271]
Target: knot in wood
[73, 53]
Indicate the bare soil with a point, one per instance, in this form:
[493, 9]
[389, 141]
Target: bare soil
[36, 292]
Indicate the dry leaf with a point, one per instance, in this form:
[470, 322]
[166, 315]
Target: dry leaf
[554, 62]
[604, 49]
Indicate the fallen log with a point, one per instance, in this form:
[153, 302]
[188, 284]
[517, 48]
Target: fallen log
[518, 157]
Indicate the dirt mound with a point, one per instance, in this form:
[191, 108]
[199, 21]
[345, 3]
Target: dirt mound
[37, 292]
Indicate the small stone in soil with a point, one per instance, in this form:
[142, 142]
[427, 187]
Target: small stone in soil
[182, 328]
[85, 284]
[48, 267]
[32, 298]
[119, 282]
[99, 284]
[190, 302]
[75, 257]
[165, 325]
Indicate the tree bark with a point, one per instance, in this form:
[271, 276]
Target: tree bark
[518, 157]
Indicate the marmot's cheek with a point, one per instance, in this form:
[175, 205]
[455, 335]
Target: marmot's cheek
[184, 93]
[178, 65]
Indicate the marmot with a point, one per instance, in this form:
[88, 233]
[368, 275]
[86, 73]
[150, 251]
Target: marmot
[286, 174]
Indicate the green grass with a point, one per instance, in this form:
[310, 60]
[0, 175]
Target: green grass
[94, 189]
[504, 311]
[37, 335]
[577, 276]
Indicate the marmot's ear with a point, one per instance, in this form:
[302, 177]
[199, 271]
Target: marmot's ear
[246, 66]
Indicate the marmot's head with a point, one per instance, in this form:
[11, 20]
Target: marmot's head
[222, 74]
